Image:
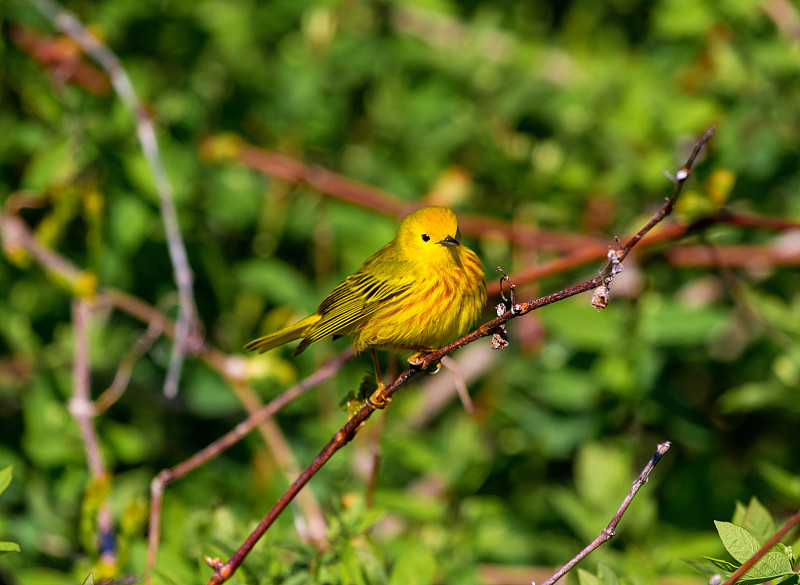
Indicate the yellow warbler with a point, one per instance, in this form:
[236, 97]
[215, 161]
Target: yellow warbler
[419, 292]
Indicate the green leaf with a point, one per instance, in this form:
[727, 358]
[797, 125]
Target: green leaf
[737, 541]
[771, 566]
[726, 567]
[788, 484]
[130, 222]
[758, 521]
[279, 282]
[606, 574]
[710, 567]
[587, 578]
[5, 478]
[416, 566]
[603, 475]
[7, 547]
[350, 567]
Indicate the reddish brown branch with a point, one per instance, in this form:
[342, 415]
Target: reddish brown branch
[223, 571]
[578, 249]
[330, 184]
[232, 437]
[765, 255]
[63, 57]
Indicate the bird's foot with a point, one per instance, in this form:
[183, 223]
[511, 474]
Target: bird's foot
[417, 359]
[377, 401]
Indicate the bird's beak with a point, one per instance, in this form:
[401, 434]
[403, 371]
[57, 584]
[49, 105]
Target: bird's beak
[449, 241]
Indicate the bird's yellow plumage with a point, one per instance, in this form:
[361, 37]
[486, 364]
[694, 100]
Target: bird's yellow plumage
[419, 292]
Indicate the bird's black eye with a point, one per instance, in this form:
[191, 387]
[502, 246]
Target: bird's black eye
[425, 237]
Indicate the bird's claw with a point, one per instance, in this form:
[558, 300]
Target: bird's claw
[377, 401]
[417, 359]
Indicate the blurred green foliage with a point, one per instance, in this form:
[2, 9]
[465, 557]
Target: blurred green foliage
[560, 115]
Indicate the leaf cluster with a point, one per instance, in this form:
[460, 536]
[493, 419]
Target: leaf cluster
[751, 528]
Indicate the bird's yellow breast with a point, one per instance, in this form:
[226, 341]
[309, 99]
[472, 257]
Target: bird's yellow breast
[444, 301]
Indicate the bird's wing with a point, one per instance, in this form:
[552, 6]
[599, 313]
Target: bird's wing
[360, 295]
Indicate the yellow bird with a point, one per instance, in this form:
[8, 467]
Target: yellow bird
[419, 292]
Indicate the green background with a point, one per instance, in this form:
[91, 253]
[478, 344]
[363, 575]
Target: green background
[555, 115]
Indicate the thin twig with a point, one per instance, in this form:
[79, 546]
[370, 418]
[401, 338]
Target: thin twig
[596, 251]
[610, 530]
[437, 392]
[125, 368]
[232, 437]
[776, 538]
[223, 571]
[460, 383]
[70, 25]
[81, 408]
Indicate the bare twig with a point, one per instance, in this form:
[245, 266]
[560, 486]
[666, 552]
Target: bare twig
[776, 538]
[125, 368]
[69, 24]
[610, 530]
[223, 571]
[437, 392]
[81, 408]
[598, 250]
[460, 384]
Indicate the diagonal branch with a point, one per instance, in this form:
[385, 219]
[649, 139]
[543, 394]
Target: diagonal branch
[610, 530]
[223, 571]
[185, 327]
[232, 437]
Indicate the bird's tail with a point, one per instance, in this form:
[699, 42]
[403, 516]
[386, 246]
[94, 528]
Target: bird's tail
[290, 333]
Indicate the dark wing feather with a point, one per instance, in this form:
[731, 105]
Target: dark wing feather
[359, 296]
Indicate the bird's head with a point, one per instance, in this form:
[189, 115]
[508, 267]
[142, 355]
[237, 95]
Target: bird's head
[430, 233]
